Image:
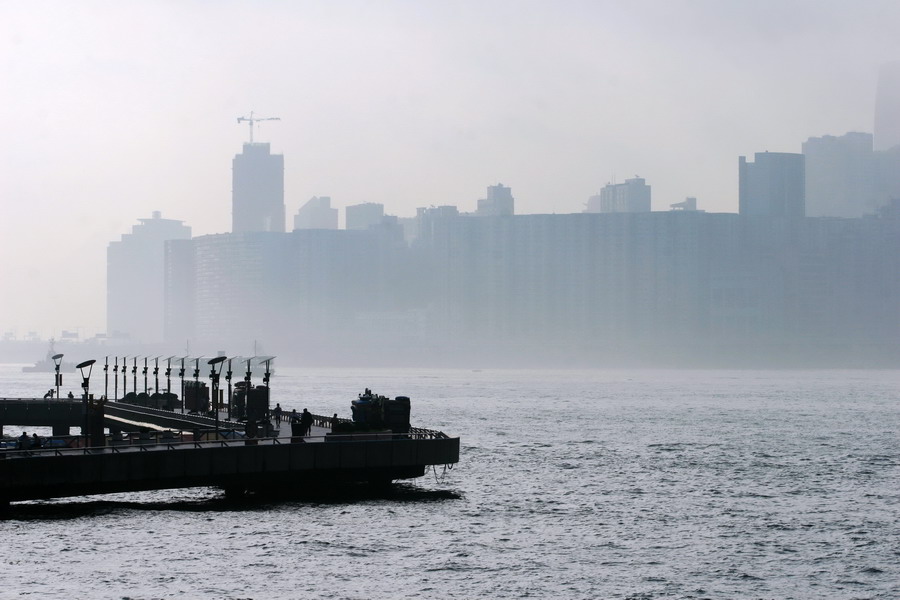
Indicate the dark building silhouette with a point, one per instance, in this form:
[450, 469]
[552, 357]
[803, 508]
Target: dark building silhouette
[887, 107]
[257, 192]
[773, 185]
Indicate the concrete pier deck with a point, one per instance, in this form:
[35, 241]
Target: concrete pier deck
[238, 465]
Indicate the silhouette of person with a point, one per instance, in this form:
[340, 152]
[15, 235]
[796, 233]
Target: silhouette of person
[306, 421]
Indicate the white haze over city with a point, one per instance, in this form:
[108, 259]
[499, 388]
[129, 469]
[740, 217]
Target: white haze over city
[112, 110]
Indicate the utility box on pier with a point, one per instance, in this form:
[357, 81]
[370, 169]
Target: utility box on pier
[196, 397]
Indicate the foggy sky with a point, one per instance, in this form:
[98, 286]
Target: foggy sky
[112, 110]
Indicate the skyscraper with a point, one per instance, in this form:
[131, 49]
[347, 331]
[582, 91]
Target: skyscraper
[135, 276]
[363, 216]
[257, 190]
[316, 214]
[887, 107]
[774, 185]
[840, 175]
[629, 197]
[499, 202]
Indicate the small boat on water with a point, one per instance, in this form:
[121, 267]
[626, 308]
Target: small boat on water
[48, 365]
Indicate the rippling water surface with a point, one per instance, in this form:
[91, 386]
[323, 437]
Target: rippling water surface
[571, 484]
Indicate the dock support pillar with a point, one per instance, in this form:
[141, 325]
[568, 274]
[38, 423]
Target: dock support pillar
[59, 430]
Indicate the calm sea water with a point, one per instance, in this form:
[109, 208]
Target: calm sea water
[572, 484]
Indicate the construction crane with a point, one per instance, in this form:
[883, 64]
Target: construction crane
[251, 120]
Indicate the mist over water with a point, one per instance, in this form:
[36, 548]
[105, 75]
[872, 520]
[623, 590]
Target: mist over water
[571, 484]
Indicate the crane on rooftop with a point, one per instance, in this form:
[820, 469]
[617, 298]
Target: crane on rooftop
[251, 120]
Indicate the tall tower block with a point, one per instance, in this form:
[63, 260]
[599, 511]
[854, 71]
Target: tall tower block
[887, 107]
[257, 190]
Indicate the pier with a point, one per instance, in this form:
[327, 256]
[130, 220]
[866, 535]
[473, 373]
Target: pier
[167, 449]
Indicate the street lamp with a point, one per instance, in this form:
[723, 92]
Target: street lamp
[181, 375]
[116, 377]
[86, 378]
[197, 377]
[106, 378]
[57, 360]
[169, 374]
[215, 369]
[145, 375]
[266, 360]
[134, 376]
[156, 374]
[228, 374]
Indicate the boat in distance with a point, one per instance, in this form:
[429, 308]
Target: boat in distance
[48, 363]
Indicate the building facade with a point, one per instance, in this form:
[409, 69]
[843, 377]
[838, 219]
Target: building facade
[362, 216]
[135, 275]
[316, 214]
[257, 190]
[499, 202]
[633, 196]
[840, 176]
[773, 185]
[887, 107]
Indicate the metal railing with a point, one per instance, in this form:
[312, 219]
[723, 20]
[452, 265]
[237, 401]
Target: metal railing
[156, 441]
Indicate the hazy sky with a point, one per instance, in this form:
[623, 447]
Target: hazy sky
[112, 110]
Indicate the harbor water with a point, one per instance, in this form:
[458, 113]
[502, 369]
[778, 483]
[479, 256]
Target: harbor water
[638, 484]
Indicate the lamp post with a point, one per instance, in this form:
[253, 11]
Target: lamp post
[57, 360]
[106, 378]
[228, 379]
[247, 377]
[145, 375]
[266, 360]
[85, 385]
[181, 375]
[197, 376]
[116, 377]
[156, 375]
[248, 389]
[134, 376]
[215, 369]
[169, 374]
[124, 376]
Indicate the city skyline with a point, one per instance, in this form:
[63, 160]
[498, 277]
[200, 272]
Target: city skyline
[396, 105]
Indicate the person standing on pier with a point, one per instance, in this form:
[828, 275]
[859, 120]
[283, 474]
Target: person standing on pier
[306, 421]
[278, 414]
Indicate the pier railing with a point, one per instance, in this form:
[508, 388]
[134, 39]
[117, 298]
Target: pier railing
[221, 438]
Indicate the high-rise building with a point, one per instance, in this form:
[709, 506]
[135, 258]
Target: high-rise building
[774, 185]
[135, 277]
[363, 216]
[633, 196]
[499, 202]
[887, 107]
[257, 192]
[316, 214]
[840, 176]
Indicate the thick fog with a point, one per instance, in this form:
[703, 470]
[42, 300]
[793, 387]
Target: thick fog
[115, 110]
